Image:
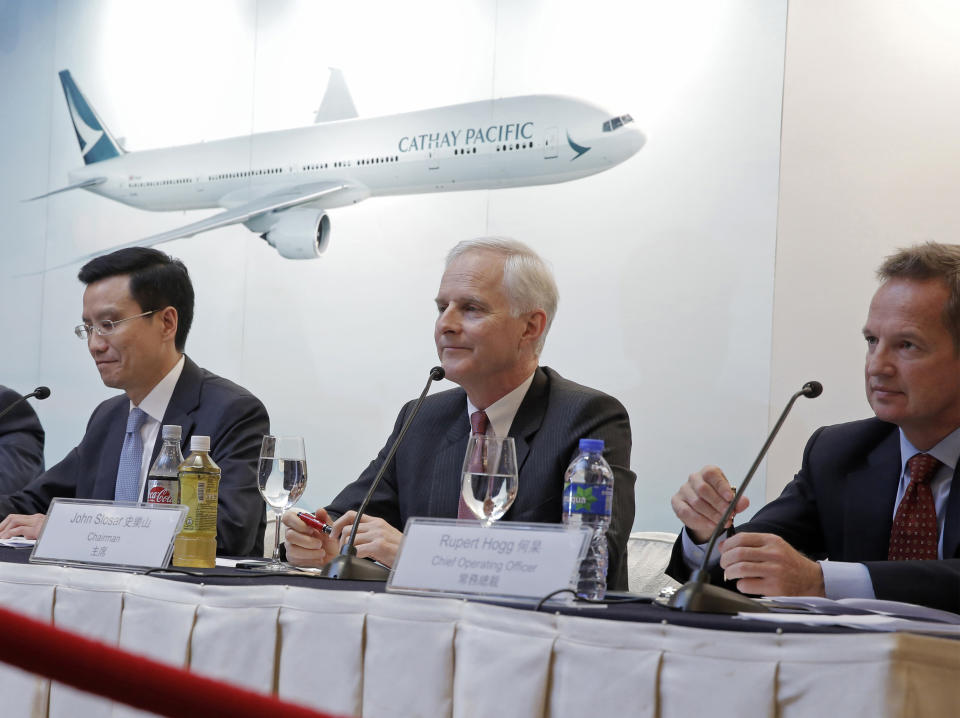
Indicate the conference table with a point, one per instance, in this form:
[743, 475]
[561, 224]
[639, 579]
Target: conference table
[353, 649]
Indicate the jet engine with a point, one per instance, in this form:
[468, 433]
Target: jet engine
[300, 233]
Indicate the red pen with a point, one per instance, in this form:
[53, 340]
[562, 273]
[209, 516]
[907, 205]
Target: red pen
[313, 522]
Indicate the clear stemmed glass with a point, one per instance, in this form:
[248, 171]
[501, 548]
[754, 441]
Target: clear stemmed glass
[282, 477]
[489, 476]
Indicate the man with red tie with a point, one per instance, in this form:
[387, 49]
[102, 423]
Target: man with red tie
[871, 512]
[496, 301]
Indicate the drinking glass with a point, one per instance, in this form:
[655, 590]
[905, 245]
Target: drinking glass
[282, 477]
[489, 476]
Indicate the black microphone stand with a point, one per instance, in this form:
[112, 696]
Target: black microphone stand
[41, 392]
[698, 594]
[347, 565]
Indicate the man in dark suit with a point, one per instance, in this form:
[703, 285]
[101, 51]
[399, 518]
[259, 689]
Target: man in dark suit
[21, 443]
[495, 304]
[137, 312]
[871, 512]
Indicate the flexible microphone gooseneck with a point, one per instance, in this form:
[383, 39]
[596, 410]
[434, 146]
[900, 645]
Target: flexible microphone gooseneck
[347, 565]
[699, 595]
[41, 392]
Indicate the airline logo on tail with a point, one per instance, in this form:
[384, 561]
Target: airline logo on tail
[95, 142]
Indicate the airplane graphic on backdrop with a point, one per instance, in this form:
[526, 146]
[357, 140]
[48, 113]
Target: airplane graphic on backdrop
[281, 184]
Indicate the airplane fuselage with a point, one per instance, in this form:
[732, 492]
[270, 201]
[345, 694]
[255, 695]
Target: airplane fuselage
[510, 142]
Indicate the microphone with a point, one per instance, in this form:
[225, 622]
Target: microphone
[347, 565]
[41, 392]
[699, 595]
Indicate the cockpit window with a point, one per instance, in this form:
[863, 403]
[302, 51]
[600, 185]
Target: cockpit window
[616, 123]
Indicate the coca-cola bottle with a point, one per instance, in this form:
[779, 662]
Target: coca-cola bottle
[163, 481]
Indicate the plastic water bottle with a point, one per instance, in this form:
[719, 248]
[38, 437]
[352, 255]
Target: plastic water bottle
[588, 501]
[196, 544]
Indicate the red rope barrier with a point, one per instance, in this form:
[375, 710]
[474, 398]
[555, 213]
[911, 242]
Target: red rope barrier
[140, 682]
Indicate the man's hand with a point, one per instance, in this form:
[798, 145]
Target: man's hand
[22, 525]
[766, 565]
[307, 546]
[376, 538]
[701, 501]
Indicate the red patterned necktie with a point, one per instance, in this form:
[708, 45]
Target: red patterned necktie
[478, 425]
[915, 533]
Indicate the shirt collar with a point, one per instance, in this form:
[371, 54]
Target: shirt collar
[947, 450]
[502, 412]
[155, 403]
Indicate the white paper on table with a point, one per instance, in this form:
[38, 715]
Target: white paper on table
[897, 609]
[867, 621]
[17, 542]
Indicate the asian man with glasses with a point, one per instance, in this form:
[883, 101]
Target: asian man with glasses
[137, 312]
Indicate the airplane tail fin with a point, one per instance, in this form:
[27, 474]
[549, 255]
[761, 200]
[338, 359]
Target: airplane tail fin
[337, 104]
[96, 142]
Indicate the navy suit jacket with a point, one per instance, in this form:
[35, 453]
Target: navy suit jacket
[840, 507]
[202, 403]
[424, 476]
[21, 443]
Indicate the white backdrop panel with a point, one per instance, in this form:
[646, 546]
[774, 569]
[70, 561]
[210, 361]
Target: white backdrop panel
[665, 263]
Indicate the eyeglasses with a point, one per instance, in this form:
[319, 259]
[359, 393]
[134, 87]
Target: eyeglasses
[105, 326]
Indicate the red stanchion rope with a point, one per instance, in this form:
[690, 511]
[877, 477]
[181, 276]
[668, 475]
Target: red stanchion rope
[140, 682]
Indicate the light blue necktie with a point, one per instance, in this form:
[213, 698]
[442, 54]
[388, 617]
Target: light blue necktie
[131, 456]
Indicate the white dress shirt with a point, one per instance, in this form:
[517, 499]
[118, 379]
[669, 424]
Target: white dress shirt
[154, 405]
[501, 413]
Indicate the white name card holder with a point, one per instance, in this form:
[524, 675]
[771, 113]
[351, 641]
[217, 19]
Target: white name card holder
[108, 534]
[509, 561]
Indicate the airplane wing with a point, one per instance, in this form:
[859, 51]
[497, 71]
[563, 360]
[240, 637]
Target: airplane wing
[273, 202]
[92, 182]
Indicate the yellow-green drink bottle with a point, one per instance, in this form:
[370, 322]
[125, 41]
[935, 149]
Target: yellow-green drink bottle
[196, 544]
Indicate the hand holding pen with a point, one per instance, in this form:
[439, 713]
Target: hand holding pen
[315, 523]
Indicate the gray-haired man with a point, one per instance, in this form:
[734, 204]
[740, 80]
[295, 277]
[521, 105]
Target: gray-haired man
[496, 301]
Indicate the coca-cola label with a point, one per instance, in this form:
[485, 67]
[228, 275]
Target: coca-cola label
[160, 494]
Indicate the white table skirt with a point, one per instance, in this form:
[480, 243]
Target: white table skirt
[374, 654]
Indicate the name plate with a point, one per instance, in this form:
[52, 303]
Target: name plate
[116, 534]
[510, 560]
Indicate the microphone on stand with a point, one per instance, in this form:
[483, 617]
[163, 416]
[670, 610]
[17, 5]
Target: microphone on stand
[699, 595]
[41, 392]
[347, 565]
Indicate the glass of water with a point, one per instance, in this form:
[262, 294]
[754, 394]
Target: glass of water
[489, 476]
[281, 477]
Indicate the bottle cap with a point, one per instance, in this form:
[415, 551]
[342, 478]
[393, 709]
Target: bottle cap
[171, 432]
[199, 443]
[591, 445]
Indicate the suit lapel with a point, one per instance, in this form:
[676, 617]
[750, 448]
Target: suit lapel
[105, 476]
[870, 493]
[529, 416]
[444, 495]
[183, 403]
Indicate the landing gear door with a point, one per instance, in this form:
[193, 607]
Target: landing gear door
[551, 144]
